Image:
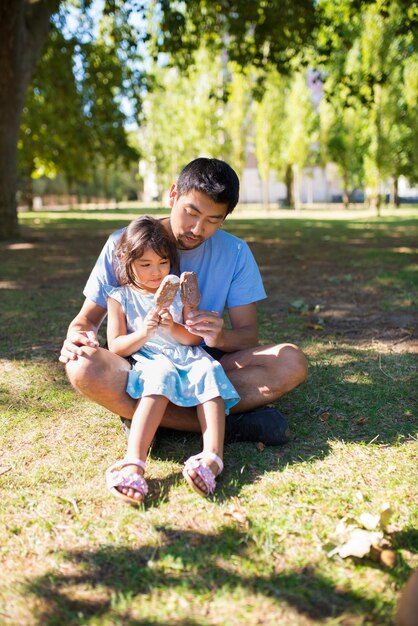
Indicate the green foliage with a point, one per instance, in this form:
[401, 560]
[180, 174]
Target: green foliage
[343, 139]
[253, 32]
[187, 114]
[369, 50]
[270, 125]
[237, 115]
[72, 121]
[54, 134]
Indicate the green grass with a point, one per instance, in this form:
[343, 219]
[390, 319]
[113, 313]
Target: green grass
[254, 554]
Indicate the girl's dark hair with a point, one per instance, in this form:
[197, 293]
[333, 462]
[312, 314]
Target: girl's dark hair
[212, 177]
[142, 233]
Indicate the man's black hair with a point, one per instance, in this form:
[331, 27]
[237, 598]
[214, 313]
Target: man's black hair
[212, 177]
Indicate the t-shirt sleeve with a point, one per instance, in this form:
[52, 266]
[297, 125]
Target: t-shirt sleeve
[247, 285]
[102, 274]
[113, 292]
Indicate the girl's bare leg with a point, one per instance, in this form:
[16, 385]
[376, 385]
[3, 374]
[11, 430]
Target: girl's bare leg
[211, 415]
[145, 421]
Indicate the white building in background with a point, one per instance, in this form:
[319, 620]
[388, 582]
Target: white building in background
[316, 184]
[147, 172]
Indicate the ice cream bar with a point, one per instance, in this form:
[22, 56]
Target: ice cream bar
[166, 292]
[189, 290]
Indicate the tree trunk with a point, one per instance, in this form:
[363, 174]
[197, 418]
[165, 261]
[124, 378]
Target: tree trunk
[346, 193]
[296, 187]
[376, 199]
[28, 198]
[290, 199]
[394, 192]
[265, 191]
[23, 30]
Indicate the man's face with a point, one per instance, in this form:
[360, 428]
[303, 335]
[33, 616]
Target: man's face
[194, 218]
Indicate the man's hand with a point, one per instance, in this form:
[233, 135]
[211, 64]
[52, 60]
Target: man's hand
[72, 347]
[206, 324]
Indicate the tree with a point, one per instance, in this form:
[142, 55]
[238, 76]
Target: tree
[342, 142]
[237, 114]
[72, 115]
[300, 127]
[343, 125]
[411, 99]
[183, 116]
[256, 31]
[269, 128]
[23, 31]
[253, 32]
[366, 47]
[54, 136]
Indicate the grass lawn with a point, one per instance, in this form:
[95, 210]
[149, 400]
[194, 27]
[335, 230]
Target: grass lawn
[341, 287]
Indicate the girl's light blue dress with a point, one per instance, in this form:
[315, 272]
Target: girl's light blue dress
[186, 375]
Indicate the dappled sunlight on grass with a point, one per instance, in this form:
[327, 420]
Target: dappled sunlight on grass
[340, 289]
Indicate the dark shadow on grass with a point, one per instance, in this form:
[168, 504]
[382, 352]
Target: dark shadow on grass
[132, 574]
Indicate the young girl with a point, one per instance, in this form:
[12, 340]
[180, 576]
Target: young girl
[169, 366]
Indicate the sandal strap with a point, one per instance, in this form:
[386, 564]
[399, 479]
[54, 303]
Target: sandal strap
[213, 457]
[128, 460]
[134, 481]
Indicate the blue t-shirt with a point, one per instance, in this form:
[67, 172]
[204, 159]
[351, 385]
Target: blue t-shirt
[226, 271]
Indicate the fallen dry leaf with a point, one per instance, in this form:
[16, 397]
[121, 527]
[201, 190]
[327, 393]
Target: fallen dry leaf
[363, 537]
[194, 541]
[369, 521]
[375, 552]
[236, 512]
[325, 416]
[385, 515]
[361, 421]
[314, 326]
[388, 558]
[358, 543]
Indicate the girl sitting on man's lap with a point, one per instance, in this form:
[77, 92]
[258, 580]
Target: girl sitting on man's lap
[169, 365]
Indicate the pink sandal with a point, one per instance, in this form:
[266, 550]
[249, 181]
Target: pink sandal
[203, 471]
[115, 480]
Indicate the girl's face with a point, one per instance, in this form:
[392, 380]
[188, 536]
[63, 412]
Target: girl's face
[150, 269]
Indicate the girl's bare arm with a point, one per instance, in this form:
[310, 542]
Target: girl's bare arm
[118, 339]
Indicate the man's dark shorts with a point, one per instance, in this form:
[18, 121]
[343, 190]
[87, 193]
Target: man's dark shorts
[214, 352]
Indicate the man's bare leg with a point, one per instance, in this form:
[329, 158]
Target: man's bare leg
[101, 376]
[260, 375]
[264, 374]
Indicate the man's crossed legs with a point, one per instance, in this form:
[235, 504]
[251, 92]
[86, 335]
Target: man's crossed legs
[261, 375]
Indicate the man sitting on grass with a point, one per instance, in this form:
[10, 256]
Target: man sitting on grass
[205, 193]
